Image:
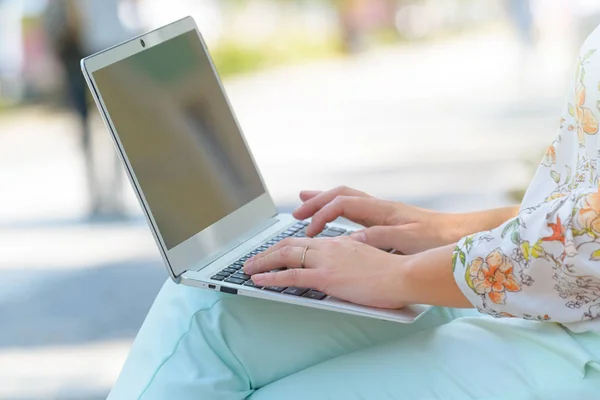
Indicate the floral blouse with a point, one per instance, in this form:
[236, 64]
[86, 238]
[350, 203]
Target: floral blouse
[545, 263]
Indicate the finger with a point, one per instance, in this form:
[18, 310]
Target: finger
[285, 257]
[297, 242]
[305, 278]
[364, 211]
[381, 237]
[306, 195]
[352, 208]
[310, 207]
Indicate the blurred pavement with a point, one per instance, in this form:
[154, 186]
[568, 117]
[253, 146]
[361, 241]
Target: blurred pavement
[451, 125]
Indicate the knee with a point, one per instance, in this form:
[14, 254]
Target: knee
[185, 297]
[176, 306]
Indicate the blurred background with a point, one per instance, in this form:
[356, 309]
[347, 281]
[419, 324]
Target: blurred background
[446, 104]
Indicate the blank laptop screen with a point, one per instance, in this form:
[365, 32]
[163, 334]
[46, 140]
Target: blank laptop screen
[180, 136]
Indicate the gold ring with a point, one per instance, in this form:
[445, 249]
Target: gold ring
[303, 257]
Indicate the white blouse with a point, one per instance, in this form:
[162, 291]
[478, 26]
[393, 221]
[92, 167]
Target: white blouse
[545, 263]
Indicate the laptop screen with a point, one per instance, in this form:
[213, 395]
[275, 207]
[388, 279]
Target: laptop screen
[180, 136]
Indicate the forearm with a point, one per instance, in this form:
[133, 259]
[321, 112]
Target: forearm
[428, 279]
[469, 223]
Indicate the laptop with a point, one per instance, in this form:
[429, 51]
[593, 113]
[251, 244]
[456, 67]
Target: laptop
[189, 164]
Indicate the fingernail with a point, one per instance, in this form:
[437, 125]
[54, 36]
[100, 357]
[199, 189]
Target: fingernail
[359, 236]
[258, 278]
[248, 263]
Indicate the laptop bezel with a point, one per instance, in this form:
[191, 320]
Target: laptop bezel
[227, 233]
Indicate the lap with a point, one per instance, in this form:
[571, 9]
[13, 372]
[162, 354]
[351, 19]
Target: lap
[468, 358]
[201, 344]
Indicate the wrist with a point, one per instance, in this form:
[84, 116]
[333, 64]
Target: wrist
[455, 227]
[464, 224]
[451, 227]
[427, 278]
[408, 276]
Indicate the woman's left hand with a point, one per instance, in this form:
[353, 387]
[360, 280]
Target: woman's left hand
[340, 267]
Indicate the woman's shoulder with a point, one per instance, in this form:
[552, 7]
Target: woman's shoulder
[592, 43]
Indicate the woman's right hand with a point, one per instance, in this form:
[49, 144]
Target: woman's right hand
[388, 224]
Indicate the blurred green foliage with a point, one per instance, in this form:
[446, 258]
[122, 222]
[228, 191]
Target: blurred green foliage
[3, 105]
[232, 57]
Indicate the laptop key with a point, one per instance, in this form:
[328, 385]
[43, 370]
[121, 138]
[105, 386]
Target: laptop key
[295, 291]
[234, 280]
[218, 277]
[275, 288]
[252, 284]
[230, 270]
[330, 233]
[241, 275]
[314, 294]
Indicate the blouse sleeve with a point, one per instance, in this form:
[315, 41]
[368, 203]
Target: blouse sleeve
[543, 264]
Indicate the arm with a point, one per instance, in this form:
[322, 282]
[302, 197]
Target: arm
[478, 221]
[430, 274]
[337, 267]
[544, 265]
[391, 224]
[539, 265]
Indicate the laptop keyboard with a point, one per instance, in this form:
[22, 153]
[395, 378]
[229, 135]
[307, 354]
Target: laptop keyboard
[234, 274]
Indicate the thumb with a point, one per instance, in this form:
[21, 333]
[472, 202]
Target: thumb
[381, 237]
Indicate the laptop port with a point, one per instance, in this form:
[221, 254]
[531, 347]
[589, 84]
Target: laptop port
[228, 290]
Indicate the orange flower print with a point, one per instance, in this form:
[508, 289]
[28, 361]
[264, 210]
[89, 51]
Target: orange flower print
[549, 157]
[554, 196]
[585, 121]
[558, 232]
[493, 276]
[588, 215]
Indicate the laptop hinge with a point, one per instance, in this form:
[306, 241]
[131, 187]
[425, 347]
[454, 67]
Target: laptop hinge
[237, 242]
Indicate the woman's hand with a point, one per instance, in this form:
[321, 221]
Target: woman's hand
[340, 267]
[353, 271]
[389, 225]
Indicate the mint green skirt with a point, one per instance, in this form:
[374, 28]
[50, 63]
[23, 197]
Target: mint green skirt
[198, 344]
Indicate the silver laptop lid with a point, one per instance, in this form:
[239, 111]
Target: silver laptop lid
[181, 144]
